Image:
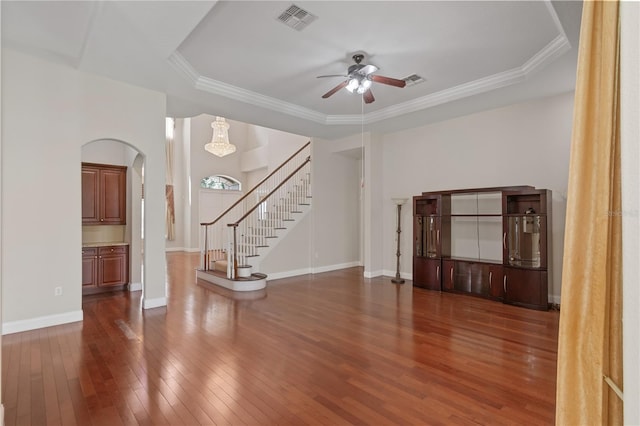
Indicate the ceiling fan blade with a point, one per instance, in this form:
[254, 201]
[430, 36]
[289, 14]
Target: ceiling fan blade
[388, 80]
[335, 89]
[332, 75]
[368, 97]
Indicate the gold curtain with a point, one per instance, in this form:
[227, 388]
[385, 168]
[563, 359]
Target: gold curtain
[170, 218]
[590, 339]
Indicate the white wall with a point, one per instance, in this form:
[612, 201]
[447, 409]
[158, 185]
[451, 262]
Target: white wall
[180, 194]
[523, 144]
[259, 150]
[203, 164]
[41, 182]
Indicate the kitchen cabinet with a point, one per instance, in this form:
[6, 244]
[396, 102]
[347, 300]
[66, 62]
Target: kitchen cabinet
[89, 267]
[104, 268]
[104, 194]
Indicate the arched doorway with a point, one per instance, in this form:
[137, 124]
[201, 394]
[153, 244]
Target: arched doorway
[120, 153]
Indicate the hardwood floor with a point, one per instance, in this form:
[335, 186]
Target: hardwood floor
[325, 349]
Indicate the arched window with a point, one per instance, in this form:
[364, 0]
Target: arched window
[226, 183]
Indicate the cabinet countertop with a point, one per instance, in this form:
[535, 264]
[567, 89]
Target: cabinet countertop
[104, 244]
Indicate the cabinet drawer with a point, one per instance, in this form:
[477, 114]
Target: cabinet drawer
[89, 251]
[112, 250]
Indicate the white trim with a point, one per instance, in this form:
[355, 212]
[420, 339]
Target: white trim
[153, 303]
[41, 322]
[554, 299]
[239, 286]
[184, 249]
[373, 274]
[243, 95]
[1, 414]
[335, 267]
[171, 249]
[287, 274]
[135, 286]
[554, 49]
[318, 270]
[392, 274]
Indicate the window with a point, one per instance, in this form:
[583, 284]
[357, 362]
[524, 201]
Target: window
[225, 183]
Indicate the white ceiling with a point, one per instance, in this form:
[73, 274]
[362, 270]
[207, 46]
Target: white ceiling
[234, 58]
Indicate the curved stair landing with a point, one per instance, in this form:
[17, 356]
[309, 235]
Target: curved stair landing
[254, 282]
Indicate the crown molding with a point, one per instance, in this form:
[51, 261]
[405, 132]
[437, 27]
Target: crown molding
[554, 49]
[230, 91]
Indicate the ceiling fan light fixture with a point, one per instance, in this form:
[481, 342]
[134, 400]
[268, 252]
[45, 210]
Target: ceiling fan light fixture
[365, 85]
[359, 84]
[220, 145]
[353, 85]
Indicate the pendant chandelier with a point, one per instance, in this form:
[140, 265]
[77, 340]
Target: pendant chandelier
[220, 144]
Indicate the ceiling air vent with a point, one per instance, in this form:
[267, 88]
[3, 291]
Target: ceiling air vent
[296, 17]
[414, 79]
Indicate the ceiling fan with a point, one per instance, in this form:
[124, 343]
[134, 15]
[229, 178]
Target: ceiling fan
[360, 77]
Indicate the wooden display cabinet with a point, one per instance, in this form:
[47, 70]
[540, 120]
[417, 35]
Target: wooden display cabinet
[428, 245]
[526, 233]
[104, 194]
[509, 225]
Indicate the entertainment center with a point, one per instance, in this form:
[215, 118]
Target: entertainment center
[488, 242]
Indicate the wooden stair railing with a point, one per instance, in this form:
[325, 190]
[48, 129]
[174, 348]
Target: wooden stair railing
[263, 209]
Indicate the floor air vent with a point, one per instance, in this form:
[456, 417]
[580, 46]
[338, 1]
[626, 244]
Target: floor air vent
[296, 17]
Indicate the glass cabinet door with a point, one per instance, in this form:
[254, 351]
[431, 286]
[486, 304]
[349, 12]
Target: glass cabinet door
[427, 236]
[523, 239]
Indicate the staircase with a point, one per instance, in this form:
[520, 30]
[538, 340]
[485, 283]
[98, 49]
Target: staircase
[233, 244]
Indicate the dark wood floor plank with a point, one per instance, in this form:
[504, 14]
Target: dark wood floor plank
[325, 349]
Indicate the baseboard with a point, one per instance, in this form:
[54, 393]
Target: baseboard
[135, 286]
[41, 322]
[335, 267]
[1, 415]
[305, 271]
[170, 249]
[184, 249]
[154, 303]
[287, 274]
[373, 274]
[392, 274]
[554, 299]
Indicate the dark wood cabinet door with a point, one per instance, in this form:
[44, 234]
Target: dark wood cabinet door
[427, 273]
[90, 195]
[448, 273]
[113, 196]
[494, 276]
[113, 266]
[104, 194]
[89, 267]
[525, 287]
